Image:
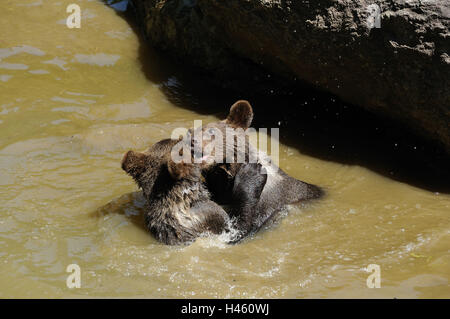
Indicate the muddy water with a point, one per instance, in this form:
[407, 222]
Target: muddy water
[73, 100]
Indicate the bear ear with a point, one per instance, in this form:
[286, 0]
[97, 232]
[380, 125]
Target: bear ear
[133, 163]
[181, 170]
[241, 115]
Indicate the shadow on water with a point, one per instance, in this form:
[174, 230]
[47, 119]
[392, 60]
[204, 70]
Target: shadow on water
[316, 123]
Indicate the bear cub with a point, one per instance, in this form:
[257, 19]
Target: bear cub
[223, 177]
[179, 208]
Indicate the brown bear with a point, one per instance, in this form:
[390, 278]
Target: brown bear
[179, 205]
[224, 178]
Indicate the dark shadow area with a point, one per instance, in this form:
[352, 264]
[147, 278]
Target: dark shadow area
[316, 123]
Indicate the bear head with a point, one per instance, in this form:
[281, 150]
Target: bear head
[154, 170]
[220, 147]
[212, 143]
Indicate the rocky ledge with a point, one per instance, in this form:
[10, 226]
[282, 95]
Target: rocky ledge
[396, 63]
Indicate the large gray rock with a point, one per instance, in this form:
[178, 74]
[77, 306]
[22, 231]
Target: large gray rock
[401, 69]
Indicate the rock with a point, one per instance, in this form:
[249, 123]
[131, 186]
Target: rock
[401, 69]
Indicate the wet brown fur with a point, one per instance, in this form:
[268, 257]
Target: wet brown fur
[179, 207]
[259, 200]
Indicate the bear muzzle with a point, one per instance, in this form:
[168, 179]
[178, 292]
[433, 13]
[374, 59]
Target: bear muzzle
[133, 163]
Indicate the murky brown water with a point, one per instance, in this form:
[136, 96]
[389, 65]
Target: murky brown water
[72, 101]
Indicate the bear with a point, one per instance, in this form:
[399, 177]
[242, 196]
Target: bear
[224, 181]
[179, 208]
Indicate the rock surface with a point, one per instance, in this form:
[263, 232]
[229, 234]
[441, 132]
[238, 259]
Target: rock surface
[401, 69]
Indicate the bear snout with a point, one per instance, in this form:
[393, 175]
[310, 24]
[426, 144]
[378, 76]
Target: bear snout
[125, 160]
[134, 163]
